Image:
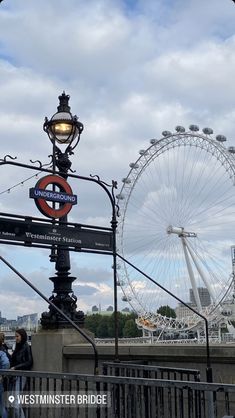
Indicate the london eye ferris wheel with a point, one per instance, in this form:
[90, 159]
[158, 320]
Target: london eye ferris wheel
[177, 223]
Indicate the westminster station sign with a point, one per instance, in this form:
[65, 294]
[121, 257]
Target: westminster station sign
[73, 236]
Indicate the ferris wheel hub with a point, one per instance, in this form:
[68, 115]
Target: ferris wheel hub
[180, 231]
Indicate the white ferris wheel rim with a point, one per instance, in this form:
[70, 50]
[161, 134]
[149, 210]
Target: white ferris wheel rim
[167, 143]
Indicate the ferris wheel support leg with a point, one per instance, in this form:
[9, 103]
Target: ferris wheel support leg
[191, 275]
[161, 333]
[219, 332]
[200, 272]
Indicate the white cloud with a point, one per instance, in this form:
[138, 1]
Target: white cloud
[19, 305]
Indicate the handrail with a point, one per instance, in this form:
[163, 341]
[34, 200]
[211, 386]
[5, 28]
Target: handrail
[183, 384]
[96, 371]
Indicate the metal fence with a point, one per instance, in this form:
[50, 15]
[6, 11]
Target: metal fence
[128, 369]
[127, 397]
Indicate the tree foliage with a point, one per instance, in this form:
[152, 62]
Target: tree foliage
[102, 326]
[167, 311]
[130, 329]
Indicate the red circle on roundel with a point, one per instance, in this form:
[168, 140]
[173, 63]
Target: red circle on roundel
[42, 204]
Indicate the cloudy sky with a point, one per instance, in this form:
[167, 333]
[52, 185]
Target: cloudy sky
[133, 68]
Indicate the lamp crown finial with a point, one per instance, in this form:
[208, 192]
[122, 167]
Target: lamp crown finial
[64, 103]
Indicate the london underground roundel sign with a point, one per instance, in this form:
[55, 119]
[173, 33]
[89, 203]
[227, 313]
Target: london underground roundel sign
[64, 196]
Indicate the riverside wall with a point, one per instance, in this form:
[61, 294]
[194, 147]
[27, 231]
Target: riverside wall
[79, 357]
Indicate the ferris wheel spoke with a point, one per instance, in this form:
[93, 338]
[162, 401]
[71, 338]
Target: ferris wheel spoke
[149, 211]
[192, 186]
[211, 200]
[138, 248]
[216, 208]
[198, 189]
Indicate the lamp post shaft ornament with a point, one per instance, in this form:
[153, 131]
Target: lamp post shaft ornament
[62, 128]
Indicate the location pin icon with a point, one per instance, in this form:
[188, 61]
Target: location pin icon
[11, 398]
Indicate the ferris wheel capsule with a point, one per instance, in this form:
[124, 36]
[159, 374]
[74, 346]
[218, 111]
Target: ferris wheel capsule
[207, 131]
[126, 180]
[166, 133]
[221, 138]
[126, 298]
[134, 165]
[120, 282]
[194, 128]
[120, 196]
[180, 129]
[231, 150]
[117, 266]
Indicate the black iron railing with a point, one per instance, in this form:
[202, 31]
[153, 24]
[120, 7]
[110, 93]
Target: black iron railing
[128, 369]
[127, 397]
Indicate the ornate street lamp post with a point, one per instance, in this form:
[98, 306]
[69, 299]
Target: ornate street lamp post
[64, 129]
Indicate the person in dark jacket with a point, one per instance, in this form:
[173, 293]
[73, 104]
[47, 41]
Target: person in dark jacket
[21, 359]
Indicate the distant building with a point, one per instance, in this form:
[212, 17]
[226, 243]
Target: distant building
[8, 324]
[3, 321]
[204, 296]
[29, 322]
[182, 311]
[108, 311]
[4, 328]
[126, 310]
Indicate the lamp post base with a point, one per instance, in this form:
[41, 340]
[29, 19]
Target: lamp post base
[64, 299]
[52, 320]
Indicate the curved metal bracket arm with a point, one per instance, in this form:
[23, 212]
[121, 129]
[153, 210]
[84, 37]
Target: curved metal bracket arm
[37, 162]
[4, 159]
[105, 186]
[115, 186]
[95, 176]
[50, 162]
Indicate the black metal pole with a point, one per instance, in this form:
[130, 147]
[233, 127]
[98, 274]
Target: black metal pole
[208, 360]
[63, 295]
[116, 322]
